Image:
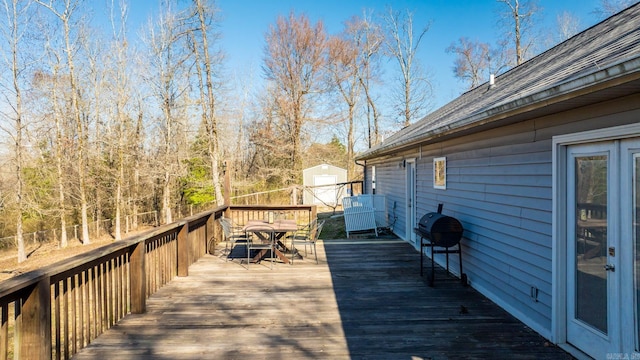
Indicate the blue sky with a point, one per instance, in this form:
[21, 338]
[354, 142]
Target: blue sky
[245, 22]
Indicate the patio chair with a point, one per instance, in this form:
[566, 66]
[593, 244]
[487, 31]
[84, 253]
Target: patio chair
[303, 232]
[260, 237]
[232, 234]
[308, 237]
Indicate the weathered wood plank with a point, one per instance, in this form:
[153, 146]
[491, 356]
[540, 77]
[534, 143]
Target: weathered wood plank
[365, 300]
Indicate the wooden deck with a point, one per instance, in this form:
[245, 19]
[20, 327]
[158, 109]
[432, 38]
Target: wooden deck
[365, 300]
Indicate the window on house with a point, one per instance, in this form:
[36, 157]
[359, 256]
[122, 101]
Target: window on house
[440, 173]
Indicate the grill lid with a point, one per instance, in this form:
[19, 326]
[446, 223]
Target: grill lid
[441, 230]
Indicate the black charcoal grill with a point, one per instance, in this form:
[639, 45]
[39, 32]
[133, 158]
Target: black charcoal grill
[441, 233]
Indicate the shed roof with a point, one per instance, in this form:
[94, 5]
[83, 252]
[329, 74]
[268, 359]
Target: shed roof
[598, 64]
[325, 167]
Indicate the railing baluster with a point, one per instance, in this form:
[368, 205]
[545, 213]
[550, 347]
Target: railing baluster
[153, 266]
[117, 288]
[102, 307]
[58, 323]
[65, 297]
[127, 281]
[123, 286]
[74, 315]
[110, 319]
[164, 255]
[81, 311]
[94, 304]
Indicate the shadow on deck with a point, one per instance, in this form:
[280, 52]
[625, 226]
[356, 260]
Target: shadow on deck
[365, 300]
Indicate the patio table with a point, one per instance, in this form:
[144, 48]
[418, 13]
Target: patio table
[279, 228]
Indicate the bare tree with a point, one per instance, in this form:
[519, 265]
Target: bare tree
[368, 38]
[612, 7]
[402, 45]
[568, 25]
[16, 13]
[120, 90]
[235, 125]
[96, 99]
[49, 85]
[476, 60]
[520, 18]
[206, 13]
[168, 75]
[344, 70]
[472, 61]
[64, 11]
[269, 159]
[293, 63]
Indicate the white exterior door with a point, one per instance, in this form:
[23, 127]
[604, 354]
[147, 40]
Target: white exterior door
[410, 175]
[602, 280]
[591, 248]
[629, 248]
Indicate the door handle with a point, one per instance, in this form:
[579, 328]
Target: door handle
[610, 267]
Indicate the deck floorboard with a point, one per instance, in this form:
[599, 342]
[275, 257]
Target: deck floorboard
[364, 300]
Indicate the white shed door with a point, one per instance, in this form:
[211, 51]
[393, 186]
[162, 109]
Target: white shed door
[324, 194]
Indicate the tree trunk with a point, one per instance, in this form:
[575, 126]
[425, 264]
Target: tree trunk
[22, 255]
[214, 152]
[59, 159]
[374, 138]
[516, 16]
[166, 198]
[136, 168]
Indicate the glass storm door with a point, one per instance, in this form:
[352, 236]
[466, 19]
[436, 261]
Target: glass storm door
[592, 315]
[629, 245]
[603, 237]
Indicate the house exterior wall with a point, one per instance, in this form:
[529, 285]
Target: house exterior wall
[499, 185]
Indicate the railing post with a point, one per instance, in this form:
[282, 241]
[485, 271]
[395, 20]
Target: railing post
[35, 318]
[183, 250]
[227, 189]
[210, 233]
[138, 279]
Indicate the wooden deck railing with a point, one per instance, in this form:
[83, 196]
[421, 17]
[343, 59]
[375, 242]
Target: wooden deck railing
[57, 310]
[302, 214]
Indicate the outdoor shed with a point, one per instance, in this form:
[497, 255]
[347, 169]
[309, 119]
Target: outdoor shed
[542, 168]
[322, 185]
